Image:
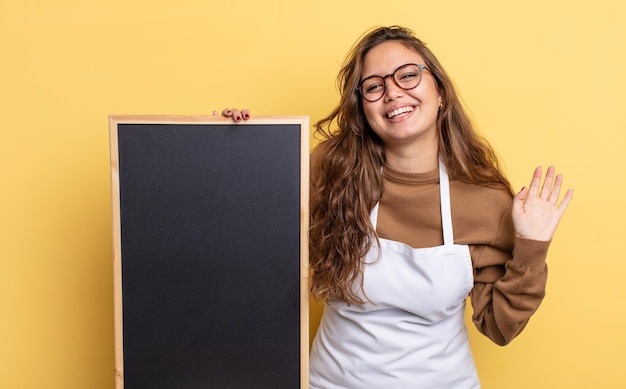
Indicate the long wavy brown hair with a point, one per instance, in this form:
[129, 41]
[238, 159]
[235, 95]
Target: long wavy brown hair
[347, 178]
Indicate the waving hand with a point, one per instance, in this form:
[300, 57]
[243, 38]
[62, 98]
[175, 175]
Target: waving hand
[537, 210]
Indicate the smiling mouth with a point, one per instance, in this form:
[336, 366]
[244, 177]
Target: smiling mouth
[399, 111]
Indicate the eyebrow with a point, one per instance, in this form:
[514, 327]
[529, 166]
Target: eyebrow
[388, 74]
[374, 74]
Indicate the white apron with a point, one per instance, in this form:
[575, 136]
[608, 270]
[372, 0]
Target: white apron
[413, 333]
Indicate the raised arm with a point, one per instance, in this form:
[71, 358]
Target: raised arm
[510, 279]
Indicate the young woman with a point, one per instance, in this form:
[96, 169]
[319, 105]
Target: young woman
[410, 215]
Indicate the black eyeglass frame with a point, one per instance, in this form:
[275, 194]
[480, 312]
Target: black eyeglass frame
[421, 67]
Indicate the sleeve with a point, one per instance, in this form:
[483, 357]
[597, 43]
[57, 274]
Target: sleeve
[510, 276]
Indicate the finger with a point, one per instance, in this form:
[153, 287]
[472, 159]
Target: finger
[227, 113]
[556, 189]
[236, 114]
[548, 182]
[535, 182]
[215, 113]
[566, 200]
[520, 197]
[245, 113]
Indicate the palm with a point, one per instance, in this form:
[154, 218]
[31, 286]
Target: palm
[536, 210]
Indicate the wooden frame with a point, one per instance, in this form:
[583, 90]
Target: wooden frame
[207, 122]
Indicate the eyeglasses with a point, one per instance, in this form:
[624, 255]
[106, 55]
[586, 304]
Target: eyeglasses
[407, 77]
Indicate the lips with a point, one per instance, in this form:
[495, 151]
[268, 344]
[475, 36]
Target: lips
[399, 111]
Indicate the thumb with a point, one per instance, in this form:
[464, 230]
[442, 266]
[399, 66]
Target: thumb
[521, 195]
[518, 200]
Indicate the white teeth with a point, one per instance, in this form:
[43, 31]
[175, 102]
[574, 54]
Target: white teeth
[396, 112]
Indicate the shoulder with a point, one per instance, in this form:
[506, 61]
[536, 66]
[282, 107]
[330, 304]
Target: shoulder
[487, 197]
[481, 208]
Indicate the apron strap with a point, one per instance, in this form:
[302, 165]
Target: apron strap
[446, 213]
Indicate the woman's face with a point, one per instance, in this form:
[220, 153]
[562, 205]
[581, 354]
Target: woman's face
[405, 119]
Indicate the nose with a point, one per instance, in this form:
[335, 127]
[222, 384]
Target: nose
[392, 89]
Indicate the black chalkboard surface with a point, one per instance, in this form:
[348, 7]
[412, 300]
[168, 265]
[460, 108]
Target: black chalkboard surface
[210, 225]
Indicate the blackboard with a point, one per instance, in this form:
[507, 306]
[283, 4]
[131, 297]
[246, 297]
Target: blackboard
[210, 224]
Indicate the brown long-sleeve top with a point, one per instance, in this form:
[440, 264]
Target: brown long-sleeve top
[509, 273]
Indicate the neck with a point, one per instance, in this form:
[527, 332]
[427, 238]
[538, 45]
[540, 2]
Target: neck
[412, 162]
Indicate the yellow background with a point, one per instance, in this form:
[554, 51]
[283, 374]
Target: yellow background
[544, 80]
